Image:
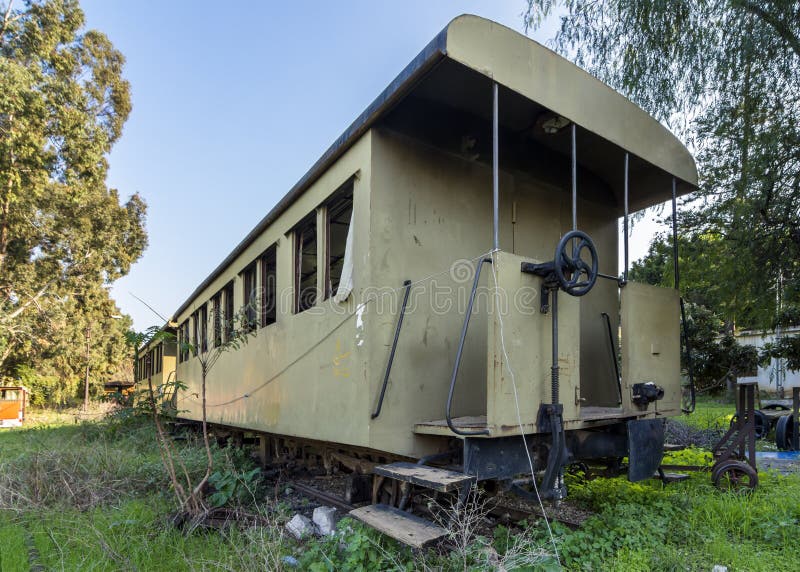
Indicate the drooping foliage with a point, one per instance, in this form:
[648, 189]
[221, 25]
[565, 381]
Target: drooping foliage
[725, 76]
[63, 233]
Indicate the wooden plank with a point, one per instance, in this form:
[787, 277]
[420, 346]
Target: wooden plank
[674, 477]
[402, 526]
[471, 421]
[439, 426]
[673, 447]
[429, 477]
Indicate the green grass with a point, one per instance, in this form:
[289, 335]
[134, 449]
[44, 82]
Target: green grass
[94, 496]
[710, 413]
[13, 552]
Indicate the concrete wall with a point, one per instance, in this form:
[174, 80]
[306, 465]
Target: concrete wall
[775, 372]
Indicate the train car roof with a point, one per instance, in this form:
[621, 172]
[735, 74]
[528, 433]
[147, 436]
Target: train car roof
[534, 81]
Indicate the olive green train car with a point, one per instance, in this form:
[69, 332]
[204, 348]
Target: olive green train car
[155, 367]
[407, 194]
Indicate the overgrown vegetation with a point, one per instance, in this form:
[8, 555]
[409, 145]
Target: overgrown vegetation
[96, 496]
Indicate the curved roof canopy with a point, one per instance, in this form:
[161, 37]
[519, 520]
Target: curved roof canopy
[445, 95]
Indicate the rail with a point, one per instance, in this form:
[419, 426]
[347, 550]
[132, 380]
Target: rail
[459, 353]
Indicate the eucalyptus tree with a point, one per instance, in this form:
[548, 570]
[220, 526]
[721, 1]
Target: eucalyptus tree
[63, 232]
[725, 76]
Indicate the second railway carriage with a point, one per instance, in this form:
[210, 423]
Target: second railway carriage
[155, 367]
[445, 278]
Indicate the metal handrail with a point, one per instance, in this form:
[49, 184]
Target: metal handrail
[613, 353]
[460, 352]
[407, 286]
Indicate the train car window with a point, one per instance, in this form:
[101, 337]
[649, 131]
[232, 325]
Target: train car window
[305, 259]
[195, 337]
[227, 315]
[250, 296]
[216, 316]
[338, 222]
[269, 287]
[183, 340]
[203, 314]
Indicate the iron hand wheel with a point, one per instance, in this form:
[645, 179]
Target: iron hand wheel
[575, 275]
[734, 476]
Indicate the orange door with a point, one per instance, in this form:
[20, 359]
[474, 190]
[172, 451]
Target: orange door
[10, 409]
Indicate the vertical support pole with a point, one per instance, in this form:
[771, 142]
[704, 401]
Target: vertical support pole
[795, 418]
[751, 420]
[575, 182]
[675, 235]
[495, 167]
[625, 222]
[88, 355]
[554, 369]
[263, 450]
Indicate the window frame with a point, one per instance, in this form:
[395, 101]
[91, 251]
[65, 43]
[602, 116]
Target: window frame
[249, 278]
[269, 295]
[342, 195]
[216, 310]
[309, 223]
[203, 314]
[227, 316]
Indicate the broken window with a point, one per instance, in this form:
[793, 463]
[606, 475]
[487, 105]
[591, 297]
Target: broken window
[305, 279]
[250, 297]
[269, 286]
[339, 223]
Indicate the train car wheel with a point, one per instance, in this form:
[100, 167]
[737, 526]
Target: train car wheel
[762, 424]
[784, 431]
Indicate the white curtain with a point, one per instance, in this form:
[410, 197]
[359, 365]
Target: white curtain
[346, 280]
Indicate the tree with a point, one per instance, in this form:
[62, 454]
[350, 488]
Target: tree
[724, 75]
[63, 232]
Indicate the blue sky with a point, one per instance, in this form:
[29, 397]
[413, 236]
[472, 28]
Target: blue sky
[232, 103]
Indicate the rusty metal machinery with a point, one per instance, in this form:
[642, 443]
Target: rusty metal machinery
[735, 453]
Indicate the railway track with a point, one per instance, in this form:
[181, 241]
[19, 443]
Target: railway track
[500, 512]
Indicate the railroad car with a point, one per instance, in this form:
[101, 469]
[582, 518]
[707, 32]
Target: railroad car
[13, 402]
[443, 285]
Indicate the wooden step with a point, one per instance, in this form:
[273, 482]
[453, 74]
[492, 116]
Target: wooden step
[672, 477]
[670, 447]
[434, 478]
[402, 526]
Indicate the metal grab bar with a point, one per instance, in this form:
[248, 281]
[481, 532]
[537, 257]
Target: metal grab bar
[613, 353]
[407, 285]
[687, 343]
[458, 356]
